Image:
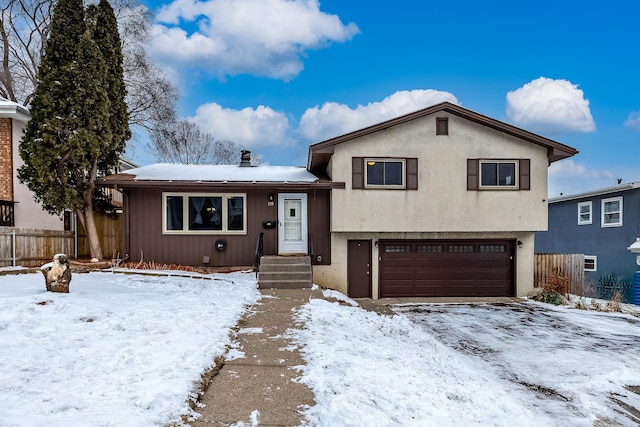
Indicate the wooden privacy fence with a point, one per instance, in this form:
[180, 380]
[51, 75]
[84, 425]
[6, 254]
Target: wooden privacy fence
[31, 247]
[567, 265]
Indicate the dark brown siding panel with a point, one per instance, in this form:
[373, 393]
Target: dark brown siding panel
[473, 174]
[319, 225]
[357, 172]
[412, 174]
[525, 174]
[146, 241]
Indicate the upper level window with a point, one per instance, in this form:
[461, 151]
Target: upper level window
[612, 212]
[584, 213]
[194, 213]
[498, 174]
[384, 173]
[442, 126]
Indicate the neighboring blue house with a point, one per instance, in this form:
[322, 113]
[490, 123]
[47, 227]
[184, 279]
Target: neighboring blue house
[600, 224]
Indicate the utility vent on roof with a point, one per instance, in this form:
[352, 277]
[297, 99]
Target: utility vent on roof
[245, 158]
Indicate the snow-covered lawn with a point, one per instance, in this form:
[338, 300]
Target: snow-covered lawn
[118, 350]
[129, 350]
[523, 364]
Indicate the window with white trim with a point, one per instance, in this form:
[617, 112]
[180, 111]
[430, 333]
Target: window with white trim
[384, 173]
[204, 213]
[584, 213]
[590, 263]
[499, 174]
[612, 212]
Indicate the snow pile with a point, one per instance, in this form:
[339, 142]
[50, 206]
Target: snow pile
[367, 369]
[118, 350]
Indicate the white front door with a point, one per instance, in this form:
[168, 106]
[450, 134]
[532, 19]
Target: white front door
[292, 223]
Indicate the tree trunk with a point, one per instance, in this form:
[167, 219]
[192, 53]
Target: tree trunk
[89, 224]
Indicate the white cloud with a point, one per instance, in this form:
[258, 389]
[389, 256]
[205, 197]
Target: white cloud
[633, 121]
[259, 37]
[252, 128]
[550, 107]
[567, 177]
[333, 119]
[570, 169]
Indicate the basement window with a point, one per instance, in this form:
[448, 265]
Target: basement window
[590, 263]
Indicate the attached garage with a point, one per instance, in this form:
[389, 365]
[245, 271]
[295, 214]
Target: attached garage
[446, 268]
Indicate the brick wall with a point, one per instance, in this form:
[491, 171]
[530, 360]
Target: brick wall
[6, 160]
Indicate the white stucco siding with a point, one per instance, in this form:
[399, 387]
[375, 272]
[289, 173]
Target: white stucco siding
[442, 202]
[28, 213]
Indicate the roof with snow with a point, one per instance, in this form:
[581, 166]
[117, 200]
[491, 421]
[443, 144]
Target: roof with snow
[10, 109]
[193, 174]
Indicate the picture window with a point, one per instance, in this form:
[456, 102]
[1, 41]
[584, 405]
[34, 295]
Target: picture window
[195, 213]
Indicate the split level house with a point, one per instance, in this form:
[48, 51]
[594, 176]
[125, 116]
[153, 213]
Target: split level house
[601, 224]
[442, 202]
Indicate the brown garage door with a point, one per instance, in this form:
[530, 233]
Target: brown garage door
[451, 268]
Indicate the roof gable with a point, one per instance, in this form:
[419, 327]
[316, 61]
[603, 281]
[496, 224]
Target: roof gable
[321, 152]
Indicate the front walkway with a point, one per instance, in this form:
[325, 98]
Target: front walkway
[256, 385]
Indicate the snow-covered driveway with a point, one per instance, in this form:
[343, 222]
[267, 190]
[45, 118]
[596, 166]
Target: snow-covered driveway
[576, 365]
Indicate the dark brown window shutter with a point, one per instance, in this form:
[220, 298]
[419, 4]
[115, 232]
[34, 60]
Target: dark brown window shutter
[442, 126]
[357, 172]
[525, 174]
[412, 174]
[473, 174]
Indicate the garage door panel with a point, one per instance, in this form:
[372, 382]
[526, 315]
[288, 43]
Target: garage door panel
[446, 268]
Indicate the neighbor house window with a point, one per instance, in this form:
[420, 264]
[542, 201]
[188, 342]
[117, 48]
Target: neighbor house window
[196, 213]
[584, 213]
[498, 174]
[590, 263]
[384, 173]
[612, 212]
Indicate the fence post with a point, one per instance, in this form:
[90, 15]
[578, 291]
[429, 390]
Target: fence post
[75, 235]
[13, 247]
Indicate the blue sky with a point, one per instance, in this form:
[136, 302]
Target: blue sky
[277, 75]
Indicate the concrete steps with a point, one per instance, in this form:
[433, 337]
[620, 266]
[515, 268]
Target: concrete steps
[285, 272]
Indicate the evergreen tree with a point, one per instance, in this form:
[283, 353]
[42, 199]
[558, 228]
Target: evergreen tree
[74, 129]
[105, 34]
[53, 121]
